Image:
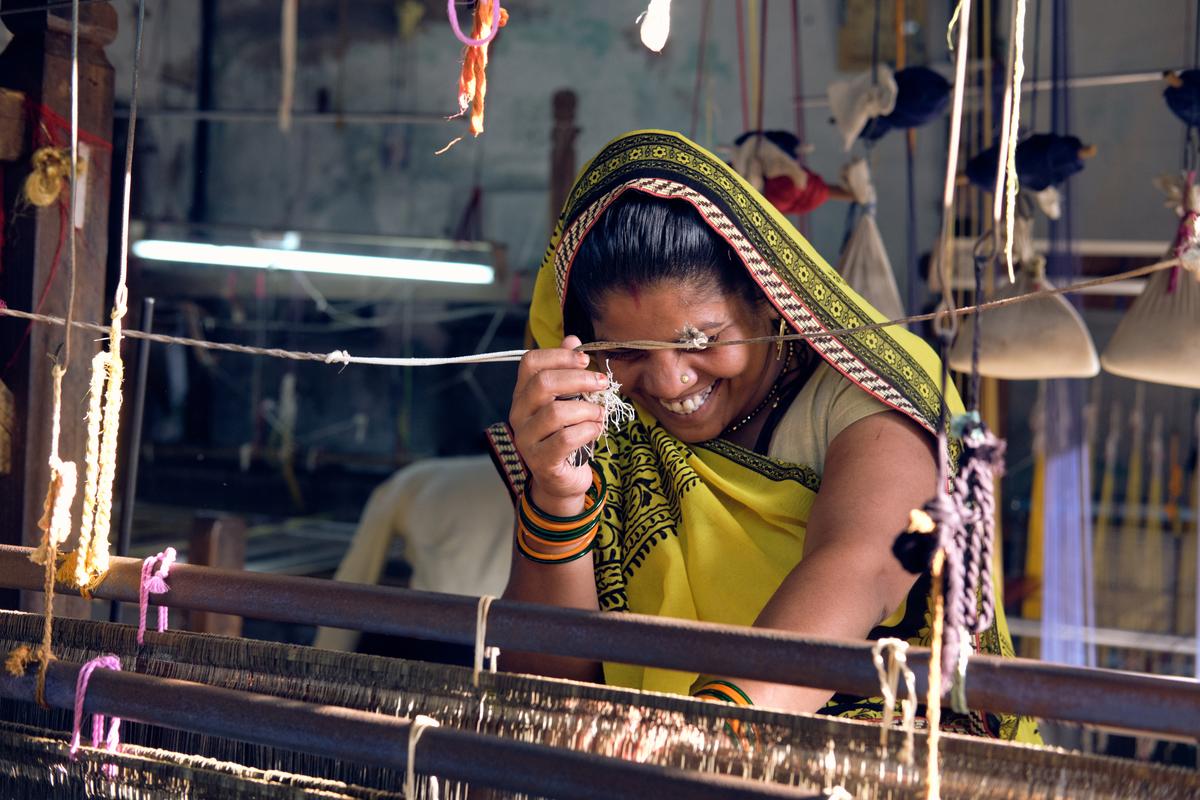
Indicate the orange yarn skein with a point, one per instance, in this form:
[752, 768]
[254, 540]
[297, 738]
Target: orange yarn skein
[472, 82]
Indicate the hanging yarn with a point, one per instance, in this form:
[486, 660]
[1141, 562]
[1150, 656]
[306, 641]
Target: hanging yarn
[416, 728]
[889, 684]
[472, 81]
[287, 63]
[1007, 180]
[112, 739]
[154, 582]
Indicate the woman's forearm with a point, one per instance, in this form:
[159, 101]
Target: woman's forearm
[570, 585]
[826, 595]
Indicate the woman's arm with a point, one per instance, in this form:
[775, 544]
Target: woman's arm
[546, 432]
[876, 471]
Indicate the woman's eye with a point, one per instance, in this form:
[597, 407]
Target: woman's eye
[625, 355]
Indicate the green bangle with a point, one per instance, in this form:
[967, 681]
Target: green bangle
[558, 536]
[598, 496]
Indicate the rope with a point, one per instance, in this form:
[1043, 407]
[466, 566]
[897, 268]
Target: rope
[287, 63]
[1007, 183]
[345, 358]
[416, 728]
[741, 48]
[481, 648]
[946, 262]
[702, 50]
[88, 564]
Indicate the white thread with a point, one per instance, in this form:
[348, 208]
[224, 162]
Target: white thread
[617, 412]
[889, 684]
[415, 729]
[343, 357]
[481, 648]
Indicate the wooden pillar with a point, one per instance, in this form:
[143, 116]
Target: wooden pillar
[562, 152]
[37, 63]
[217, 541]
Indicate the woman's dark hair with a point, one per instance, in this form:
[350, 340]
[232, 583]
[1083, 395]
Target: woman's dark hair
[640, 240]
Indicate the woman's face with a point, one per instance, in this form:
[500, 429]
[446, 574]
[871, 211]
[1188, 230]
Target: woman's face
[723, 384]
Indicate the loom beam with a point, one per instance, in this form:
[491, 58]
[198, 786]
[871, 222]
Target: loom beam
[1101, 697]
[374, 739]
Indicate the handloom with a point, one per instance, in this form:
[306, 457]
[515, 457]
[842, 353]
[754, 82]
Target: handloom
[814, 753]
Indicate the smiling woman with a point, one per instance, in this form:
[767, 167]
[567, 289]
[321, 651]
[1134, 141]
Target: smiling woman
[758, 485]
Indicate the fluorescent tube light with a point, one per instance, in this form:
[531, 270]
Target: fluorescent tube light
[415, 269]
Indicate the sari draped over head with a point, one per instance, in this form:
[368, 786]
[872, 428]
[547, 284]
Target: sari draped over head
[708, 531]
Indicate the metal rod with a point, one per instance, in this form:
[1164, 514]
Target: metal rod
[133, 453]
[379, 740]
[1092, 696]
[298, 117]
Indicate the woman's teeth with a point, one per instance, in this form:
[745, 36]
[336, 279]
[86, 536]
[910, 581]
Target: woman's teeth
[688, 405]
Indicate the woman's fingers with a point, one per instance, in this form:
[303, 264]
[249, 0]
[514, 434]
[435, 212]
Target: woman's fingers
[561, 414]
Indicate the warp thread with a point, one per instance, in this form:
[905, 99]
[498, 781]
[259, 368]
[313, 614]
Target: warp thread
[889, 684]
[472, 80]
[481, 648]
[344, 357]
[416, 728]
[154, 582]
[112, 739]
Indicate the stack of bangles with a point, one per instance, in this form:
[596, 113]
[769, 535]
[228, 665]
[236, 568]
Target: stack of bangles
[548, 539]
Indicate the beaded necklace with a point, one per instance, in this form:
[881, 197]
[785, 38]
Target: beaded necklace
[772, 398]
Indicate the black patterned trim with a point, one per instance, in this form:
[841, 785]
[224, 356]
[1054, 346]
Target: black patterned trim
[506, 458]
[802, 474]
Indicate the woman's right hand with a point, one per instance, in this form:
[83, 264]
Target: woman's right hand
[547, 431]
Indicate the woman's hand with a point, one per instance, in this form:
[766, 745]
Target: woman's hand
[547, 430]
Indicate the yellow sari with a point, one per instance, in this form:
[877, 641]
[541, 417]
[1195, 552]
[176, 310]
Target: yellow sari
[709, 531]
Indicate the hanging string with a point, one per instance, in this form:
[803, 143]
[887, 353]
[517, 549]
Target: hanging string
[343, 357]
[760, 75]
[946, 262]
[701, 52]
[1007, 183]
[798, 82]
[111, 740]
[472, 79]
[287, 63]
[88, 564]
[889, 684]
[416, 729]
[482, 651]
[738, 13]
[1037, 57]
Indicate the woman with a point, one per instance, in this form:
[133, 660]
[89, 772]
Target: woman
[759, 484]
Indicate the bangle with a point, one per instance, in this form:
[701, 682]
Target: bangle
[553, 530]
[723, 690]
[596, 493]
[743, 733]
[583, 547]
